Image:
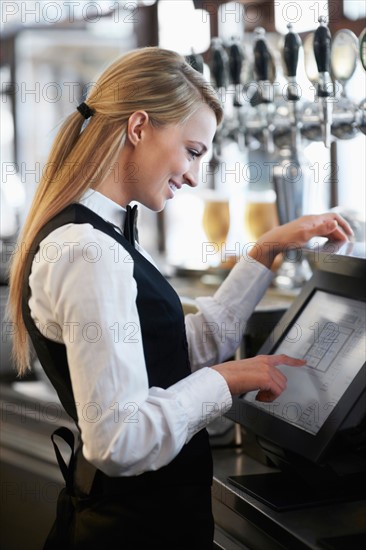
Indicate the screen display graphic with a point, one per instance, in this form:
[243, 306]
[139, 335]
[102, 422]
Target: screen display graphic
[330, 335]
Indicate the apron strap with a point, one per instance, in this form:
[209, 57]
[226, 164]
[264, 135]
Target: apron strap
[66, 469]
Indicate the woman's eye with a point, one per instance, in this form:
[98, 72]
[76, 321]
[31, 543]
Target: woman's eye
[193, 153]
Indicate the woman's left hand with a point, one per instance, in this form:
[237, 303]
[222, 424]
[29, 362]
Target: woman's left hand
[297, 233]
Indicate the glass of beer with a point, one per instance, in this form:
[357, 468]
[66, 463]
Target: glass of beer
[216, 224]
[260, 213]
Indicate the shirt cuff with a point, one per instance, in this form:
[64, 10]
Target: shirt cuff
[204, 395]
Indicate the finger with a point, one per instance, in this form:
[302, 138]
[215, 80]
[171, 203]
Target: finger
[265, 396]
[336, 228]
[272, 385]
[284, 359]
[342, 223]
[335, 232]
[279, 380]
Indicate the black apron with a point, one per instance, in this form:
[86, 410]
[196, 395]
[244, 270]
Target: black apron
[169, 508]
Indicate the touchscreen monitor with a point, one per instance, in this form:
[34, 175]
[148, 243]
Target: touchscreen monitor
[326, 325]
[330, 335]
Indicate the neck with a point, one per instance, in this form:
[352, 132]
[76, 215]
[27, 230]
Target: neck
[116, 185]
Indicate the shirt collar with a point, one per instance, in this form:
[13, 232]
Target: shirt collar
[104, 207]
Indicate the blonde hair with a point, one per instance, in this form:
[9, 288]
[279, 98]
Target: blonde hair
[155, 80]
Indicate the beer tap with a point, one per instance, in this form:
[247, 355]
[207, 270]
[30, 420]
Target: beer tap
[196, 61]
[287, 183]
[344, 56]
[289, 173]
[291, 57]
[219, 65]
[322, 49]
[263, 99]
[219, 73]
[236, 58]
[262, 65]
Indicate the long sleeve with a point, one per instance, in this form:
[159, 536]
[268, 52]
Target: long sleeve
[83, 294]
[215, 332]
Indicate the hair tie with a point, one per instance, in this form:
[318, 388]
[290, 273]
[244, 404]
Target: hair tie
[85, 110]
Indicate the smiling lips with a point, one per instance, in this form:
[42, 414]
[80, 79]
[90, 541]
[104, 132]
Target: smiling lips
[173, 187]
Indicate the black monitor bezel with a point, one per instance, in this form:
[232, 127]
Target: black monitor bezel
[285, 436]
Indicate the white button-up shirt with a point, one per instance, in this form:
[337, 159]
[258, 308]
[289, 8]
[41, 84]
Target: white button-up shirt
[83, 295]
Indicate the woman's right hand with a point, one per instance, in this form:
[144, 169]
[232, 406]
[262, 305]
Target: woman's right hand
[258, 373]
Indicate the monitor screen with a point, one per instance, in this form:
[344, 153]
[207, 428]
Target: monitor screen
[325, 325]
[330, 334]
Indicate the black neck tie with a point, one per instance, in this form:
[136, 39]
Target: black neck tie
[130, 228]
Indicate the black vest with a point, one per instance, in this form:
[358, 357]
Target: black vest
[164, 343]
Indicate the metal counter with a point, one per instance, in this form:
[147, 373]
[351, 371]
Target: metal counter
[255, 526]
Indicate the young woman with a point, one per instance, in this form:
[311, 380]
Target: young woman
[140, 381]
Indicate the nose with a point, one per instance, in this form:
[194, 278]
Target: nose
[191, 177]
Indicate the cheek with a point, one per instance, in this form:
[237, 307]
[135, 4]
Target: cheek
[156, 162]
[147, 167]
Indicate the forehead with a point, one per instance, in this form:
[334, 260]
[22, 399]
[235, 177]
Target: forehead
[202, 124]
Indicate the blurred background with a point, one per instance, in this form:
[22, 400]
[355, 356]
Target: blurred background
[291, 77]
[51, 52]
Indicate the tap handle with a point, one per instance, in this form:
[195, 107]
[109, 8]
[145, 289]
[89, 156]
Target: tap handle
[196, 61]
[322, 46]
[219, 65]
[235, 62]
[291, 51]
[262, 57]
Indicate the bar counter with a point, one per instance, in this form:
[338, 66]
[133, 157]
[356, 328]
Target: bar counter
[31, 481]
[256, 526]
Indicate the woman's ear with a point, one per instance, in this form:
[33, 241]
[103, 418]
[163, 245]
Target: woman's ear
[137, 123]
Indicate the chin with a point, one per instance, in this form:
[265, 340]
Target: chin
[158, 206]
[154, 204]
